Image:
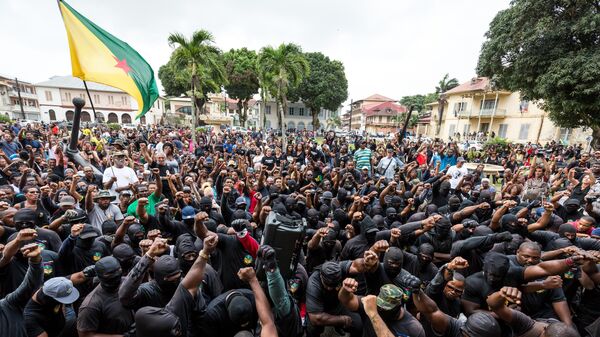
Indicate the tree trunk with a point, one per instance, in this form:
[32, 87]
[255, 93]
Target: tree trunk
[315, 119]
[240, 111]
[441, 103]
[245, 106]
[595, 138]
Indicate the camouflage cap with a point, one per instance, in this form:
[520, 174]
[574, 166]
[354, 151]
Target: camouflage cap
[390, 296]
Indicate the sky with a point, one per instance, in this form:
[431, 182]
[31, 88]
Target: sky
[394, 48]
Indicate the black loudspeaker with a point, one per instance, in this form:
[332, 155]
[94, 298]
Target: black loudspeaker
[285, 235]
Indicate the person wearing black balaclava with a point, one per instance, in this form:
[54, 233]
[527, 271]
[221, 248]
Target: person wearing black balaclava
[474, 249]
[126, 256]
[441, 191]
[322, 247]
[369, 234]
[290, 204]
[440, 238]
[12, 305]
[134, 294]
[175, 319]
[421, 265]
[186, 253]
[101, 312]
[14, 265]
[388, 271]
[109, 228]
[497, 273]
[452, 206]
[206, 206]
[322, 305]
[81, 249]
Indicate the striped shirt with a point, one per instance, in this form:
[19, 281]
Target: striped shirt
[362, 157]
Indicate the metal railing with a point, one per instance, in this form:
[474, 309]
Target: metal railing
[482, 113]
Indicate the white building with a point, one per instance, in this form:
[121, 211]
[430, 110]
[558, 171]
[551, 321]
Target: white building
[9, 99]
[297, 117]
[112, 105]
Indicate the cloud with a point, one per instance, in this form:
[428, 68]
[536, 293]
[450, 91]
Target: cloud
[394, 48]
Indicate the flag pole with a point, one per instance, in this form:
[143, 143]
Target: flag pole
[91, 101]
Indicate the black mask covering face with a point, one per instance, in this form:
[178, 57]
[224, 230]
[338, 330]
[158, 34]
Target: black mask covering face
[85, 244]
[164, 267]
[495, 267]
[313, 217]
[109, 273]
[133, 233]
[392, 262]
[389, 316]
[46, 301]
[453, 204]
[157, 322]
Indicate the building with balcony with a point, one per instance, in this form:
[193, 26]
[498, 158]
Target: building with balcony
[112, 105]
[27, 107]
[376, 114]
[476, 106]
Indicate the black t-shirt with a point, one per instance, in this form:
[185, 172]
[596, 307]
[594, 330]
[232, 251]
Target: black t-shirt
[233, 257]
[40, 319]
[406, 326]
[182, 305]
[412, 265]
[47, 238]
[318, 299]
[320, 255]
[477, 289]
[215, 320]
[101, 312]
[269, 162]
[13, 274]
[523, 326]
[8, 232]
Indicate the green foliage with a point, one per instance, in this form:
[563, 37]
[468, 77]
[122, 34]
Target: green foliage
[418, 101]
[199, 61]
[334, 122]
[281, 69]
[550, 51]
[445, 84]
[5, 119]
[175, 82]
[497, 142]
[325, 87]
[114, 126]
[242, 74]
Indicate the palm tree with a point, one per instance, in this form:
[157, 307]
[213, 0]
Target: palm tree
[444, 85]
[282, 68]
[333, 122]
[202, 58]
[398, 119]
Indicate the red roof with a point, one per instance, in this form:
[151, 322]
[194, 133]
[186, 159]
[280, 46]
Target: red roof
[475, 84]
[379, 98]
[385, 109]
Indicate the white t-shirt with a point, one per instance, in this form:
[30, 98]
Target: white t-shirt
[456, 174]
[125, 176]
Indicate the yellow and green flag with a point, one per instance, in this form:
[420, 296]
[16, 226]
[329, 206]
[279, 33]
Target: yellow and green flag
[98, 56]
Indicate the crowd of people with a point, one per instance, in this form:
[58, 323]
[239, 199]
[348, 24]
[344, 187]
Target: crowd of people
[163, 236]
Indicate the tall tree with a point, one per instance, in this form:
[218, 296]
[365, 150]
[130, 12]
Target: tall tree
[445, 84]
[242, 75]
[550, 51]
[419, 101]
[202, 59]
[283, 68]
[334, 122]
[325, 87]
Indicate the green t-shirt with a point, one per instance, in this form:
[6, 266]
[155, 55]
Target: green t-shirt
[152, 201]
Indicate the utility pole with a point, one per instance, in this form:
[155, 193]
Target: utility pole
[20, 99]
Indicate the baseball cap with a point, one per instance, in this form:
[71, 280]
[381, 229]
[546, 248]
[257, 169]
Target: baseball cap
[88, 232]
[240, 201]
[67, 201]
[61, 289]
[365, 167]
[188, 212]
[459, 159]
[390, 296]
[572, 201]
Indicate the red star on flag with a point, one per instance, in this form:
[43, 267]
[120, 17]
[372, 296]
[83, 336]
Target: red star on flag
[122, 64]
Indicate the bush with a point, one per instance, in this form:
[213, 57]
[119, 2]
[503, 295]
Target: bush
[498, 143]
[114, 126]
[5, 119]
